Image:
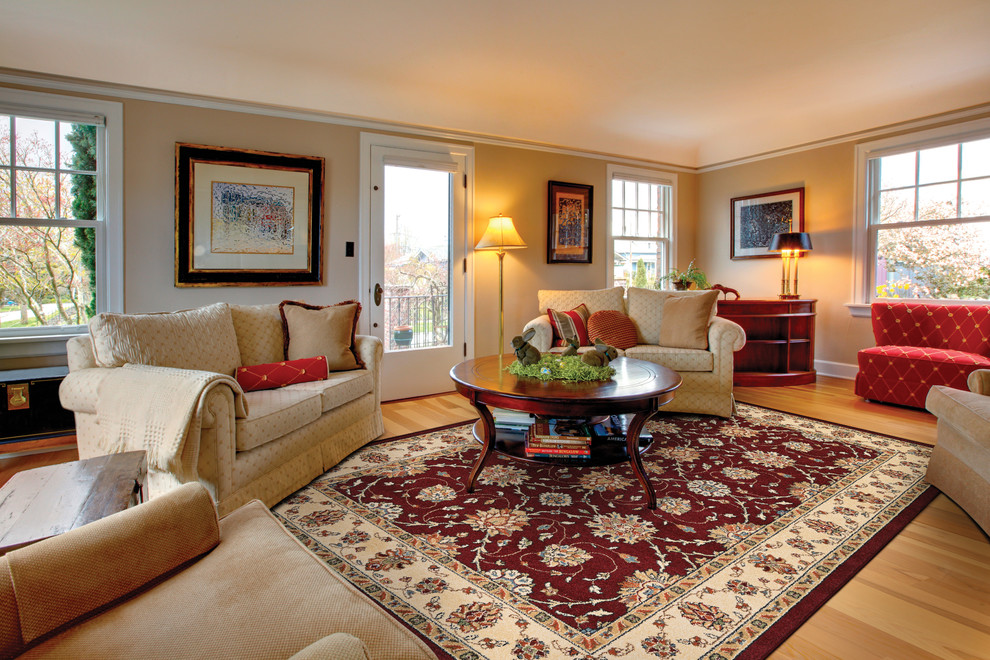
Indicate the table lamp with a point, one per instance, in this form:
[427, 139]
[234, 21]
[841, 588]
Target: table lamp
[790, 245]
[501, 235]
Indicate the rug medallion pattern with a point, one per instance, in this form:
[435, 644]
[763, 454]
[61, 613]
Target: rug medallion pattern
[564, 561]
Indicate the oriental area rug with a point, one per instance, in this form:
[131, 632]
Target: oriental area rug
[759, 519]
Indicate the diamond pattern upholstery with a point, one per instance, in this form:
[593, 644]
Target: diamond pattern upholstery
[920, 345]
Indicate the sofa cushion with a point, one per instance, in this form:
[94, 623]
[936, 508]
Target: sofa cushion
[594, 299]
[612, 327]
[684, 321]
[202, 339]
[340, 387]
[259, 333]
[570, 324]
[678, 359]
[274, 413]
[328, 330]
[281, 374]
[904, 374]
[646, 310]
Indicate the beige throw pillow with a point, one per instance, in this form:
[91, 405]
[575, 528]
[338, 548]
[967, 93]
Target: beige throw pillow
[685, 319]
[312, 330]
[201, 339]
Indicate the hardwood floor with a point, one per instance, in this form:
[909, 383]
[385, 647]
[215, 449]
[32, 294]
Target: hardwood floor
[925, 595]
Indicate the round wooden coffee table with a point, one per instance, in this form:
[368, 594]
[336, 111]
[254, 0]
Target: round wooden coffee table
[638, 388]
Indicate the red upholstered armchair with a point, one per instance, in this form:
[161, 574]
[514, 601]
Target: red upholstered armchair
[920, 345]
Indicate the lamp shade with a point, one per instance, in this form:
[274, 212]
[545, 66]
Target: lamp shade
[501, 234]
[791, 240]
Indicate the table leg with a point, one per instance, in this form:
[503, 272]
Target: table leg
[632, 448]
[488, 426]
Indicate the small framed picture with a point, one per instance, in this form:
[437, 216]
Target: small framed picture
[756, 218]
[569, 223]
[247, 218]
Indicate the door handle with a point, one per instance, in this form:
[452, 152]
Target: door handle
[378, 294]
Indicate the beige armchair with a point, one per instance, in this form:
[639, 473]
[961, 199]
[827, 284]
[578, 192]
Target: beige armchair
[167, 579]
[960, 463]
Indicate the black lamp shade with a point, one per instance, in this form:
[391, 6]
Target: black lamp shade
[792, 240]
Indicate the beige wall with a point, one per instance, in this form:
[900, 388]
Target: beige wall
[827, 175]
[508, 180]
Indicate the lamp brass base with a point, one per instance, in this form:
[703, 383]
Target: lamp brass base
[789, 296]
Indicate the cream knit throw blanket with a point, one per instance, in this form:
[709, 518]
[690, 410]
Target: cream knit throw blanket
[152, 408]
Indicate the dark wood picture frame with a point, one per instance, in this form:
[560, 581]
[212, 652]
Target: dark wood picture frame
[569, 223]
[247, 218]
[756, 218]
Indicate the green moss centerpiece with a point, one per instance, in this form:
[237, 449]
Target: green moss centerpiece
[561, 367]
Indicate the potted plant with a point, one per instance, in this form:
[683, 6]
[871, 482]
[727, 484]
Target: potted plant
[683, 279]
[402, 335]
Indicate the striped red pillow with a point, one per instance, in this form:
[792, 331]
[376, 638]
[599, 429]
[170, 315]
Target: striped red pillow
[570, 324]
[614, 328]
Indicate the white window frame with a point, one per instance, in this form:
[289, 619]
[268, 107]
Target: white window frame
[658, 177]
[864, 246]
[109, 117]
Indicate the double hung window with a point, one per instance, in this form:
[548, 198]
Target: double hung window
[59, 213]
[926, 215]
[641, 240]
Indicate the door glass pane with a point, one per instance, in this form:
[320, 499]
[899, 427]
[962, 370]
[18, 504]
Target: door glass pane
[941, 262]
[417, 258]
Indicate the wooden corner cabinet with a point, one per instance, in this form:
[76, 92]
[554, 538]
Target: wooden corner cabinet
[780, 341]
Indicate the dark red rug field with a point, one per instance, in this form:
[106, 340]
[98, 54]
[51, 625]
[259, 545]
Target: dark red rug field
[760, 519]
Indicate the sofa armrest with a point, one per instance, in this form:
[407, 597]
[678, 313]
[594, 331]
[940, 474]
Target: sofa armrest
[979, 381]
[371, 351]
[336, 646]
[543, 339]
[67, 577]
[967, 411]
[78, 390]
[725, 337]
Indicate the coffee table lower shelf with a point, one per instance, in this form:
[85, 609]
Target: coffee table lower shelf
[603, 452]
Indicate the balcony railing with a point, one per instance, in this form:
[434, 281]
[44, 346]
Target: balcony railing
[416, 321]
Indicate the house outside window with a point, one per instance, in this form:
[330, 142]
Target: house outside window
[924, 215]
[641, 225]
[60, 216]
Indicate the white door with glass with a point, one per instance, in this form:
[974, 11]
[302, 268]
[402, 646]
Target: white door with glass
[417, 205]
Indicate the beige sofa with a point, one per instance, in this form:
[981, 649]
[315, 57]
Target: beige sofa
[960, 463]
[166, 579]
[706, 373]
[162, 383]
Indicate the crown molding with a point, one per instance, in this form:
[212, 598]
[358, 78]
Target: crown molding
[82, 86]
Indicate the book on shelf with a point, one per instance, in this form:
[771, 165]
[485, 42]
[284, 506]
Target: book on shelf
[561, 456]
[614, 429]
[512, 419]
[550, 445]
[554, 451]
[561, 430]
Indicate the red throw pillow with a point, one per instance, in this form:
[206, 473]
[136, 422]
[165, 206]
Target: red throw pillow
[570, 324]
[279, 374]
[614, 328]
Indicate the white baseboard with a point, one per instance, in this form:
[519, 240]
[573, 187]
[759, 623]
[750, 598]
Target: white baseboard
[836, 369]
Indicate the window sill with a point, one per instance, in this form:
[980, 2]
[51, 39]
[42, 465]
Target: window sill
[37, 345]
[859, 310]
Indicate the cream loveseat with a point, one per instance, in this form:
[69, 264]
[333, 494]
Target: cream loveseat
[163, 383]
[706, 372]
[166, 579]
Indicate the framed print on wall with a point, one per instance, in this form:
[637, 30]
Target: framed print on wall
[756, 218]
[247, 218]
[569, 223]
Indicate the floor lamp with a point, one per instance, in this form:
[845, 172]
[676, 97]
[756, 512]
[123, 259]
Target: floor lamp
[501, 235]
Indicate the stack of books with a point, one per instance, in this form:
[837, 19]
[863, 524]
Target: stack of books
[566, 439]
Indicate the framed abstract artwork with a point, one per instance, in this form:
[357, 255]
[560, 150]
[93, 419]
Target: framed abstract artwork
[247, 218]
[756, 218]
[569, 227]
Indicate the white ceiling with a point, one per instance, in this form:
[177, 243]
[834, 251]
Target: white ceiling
[688, 82]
